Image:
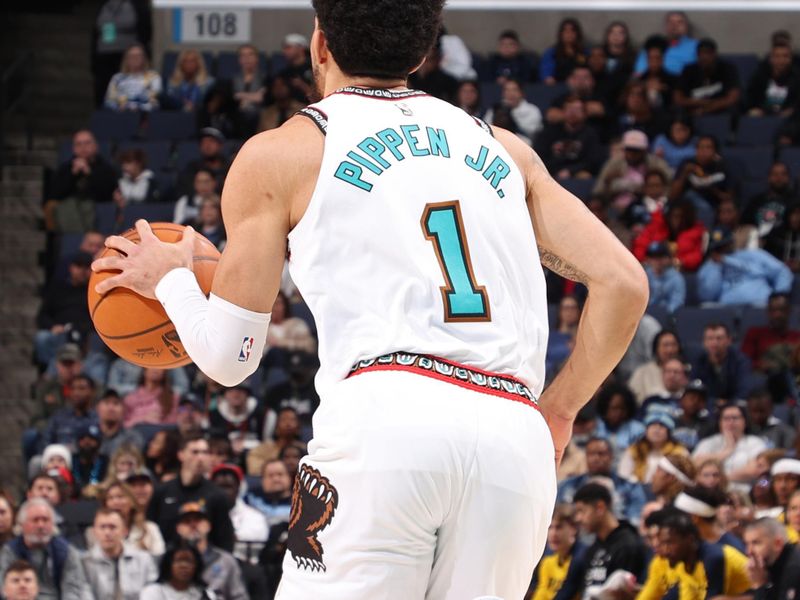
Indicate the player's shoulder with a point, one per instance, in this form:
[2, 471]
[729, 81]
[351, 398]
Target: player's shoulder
[296, 143]
[526, 159]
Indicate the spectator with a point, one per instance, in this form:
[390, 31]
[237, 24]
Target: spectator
[722, 368]
[57, 564]
[711, 474]
[7, 516]
[209, 222]
[681, 49]
[456, 57]
[769, 347]
[703, 506]
[692, 417]
[219, 111]
[667, 286]
[249, 524]
[561, 338]
[56, 456]
[51, 394]
[636, 112]
[745, 237]
[298, 71]
[678, 144]
[508, 61]
[187, 209]
[766, 210]
[298, 392]
[640, 349]
[562, 540]
[617, 407]
[647, 380]
[617, 545]
[785, 475]
[153, 401]
[740, 276]
[291, 456]
[140, 533]
[282, 106]
[220, 451]
[783, 242]
[136, 87]
[705, 179]
[114, 569]
[64, 310]
[641, 459]
[64, 425]
[138, 183]
[619, 50]
[83, 180]
[677, 225]
[792, 517]
[46, 487]
[672, 475]
[431, 78]
[180, 575]
[249, 87]
[240, 418]
[88, 465]
[570, 149]
[274, 498]
[526, 116]
[659, 83]
[468, 98]
[622, 178]
[718, 569]
[162, 451]
[580, 83]
[673, 382]
[608, 85]
[629, 496]
[142, 486]
[110, 411]
[189, 82]
[774, 564]
[212, 160]
[191, 415]
[736, 449]
[765, 424]
[775, 86]
[710, 86]
[640, 212]
[126, 460]
[191, 486]
[123, 377]
[558, 61]
[20, 582]
[221, 572]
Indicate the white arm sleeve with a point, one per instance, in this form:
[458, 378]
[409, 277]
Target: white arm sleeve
[225, 341]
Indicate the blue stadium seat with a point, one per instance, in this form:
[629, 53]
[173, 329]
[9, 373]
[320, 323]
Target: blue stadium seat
[660, 313]
[748, 189]
[277, 63]
[110, 125]
[582, 188]
[543, 95]
[749, 162]
[301, 310]
[231, 147]
[68, 245]
[690, 321]
[167, 181]
[185, 152]
[552, 316]
[490, 94]
[105, 218]
[171, 125]
[157, 152]
[791, 156]
[481, 66]
[691, 289]
[757, 131]
[746, 65]
[717, 125]
[752, 316]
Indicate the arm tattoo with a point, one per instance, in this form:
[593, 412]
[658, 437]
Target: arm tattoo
[558, 265]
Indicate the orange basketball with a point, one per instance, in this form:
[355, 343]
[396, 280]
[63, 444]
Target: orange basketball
[137, 328]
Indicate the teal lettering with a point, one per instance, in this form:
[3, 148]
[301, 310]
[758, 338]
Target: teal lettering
[351, 173]
[374, 149]
[437, 140]
[408, 133]
[477, 163]
[497, 171]
[392, 140]
[364, 162]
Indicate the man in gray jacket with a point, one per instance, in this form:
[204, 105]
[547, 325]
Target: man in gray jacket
[116, 571]
[221, 572]
[57, 564]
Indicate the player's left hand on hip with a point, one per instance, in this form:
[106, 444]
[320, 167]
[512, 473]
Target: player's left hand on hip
[561, 430]
[141, 266]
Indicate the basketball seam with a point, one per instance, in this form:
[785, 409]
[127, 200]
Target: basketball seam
[133, 335]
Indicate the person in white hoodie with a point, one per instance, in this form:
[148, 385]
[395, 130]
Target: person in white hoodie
[137, 183]
[527, 117]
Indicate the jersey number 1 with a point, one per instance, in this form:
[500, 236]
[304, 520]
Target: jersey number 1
[464, 300]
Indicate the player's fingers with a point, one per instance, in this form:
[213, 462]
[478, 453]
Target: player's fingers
[144, 231]
[117, 242]
[187, 241]
[108, 263]
[109, 284]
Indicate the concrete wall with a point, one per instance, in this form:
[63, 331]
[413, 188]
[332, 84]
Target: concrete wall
[734, 32]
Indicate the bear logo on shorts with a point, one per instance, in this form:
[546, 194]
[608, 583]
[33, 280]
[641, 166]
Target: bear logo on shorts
[314, 500]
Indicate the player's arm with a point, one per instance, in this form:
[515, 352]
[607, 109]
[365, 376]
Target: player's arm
[224, 334]
[577, 246]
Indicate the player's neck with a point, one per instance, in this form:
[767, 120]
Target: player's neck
[337, 81]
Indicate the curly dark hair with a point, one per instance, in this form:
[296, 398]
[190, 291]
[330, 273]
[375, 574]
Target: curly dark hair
[165, 565]
[384, 39]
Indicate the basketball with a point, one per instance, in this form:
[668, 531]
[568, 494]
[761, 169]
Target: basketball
[137, 328]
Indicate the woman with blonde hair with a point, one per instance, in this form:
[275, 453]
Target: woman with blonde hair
[153, 401]
[641, 459]
[142, 534]
[711, 474]
[189, 82]
[124, 462]
[136, 86]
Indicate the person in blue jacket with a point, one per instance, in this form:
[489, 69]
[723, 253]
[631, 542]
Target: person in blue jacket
[682, 49]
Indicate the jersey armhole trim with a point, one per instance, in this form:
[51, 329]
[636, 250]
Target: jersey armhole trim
[484, 125]
[319, 118]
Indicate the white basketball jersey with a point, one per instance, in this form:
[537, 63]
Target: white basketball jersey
[418, 238]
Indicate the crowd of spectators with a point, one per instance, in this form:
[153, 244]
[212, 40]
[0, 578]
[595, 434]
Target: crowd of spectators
[683, 471]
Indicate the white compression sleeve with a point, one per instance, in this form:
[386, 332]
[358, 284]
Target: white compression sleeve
[225, 341]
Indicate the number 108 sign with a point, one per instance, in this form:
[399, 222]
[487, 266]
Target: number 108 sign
[223, 25]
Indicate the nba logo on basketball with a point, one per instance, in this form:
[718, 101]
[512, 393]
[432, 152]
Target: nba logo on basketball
[244, 353]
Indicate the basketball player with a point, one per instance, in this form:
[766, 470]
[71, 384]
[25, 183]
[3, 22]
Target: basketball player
[413, 232]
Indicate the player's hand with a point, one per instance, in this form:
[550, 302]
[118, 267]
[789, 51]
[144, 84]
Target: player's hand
[561, 430]
[143, 265]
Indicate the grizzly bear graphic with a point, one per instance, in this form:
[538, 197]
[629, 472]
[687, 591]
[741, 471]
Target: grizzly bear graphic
[314, 501]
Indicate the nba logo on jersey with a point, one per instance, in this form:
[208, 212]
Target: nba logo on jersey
[247, 345]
